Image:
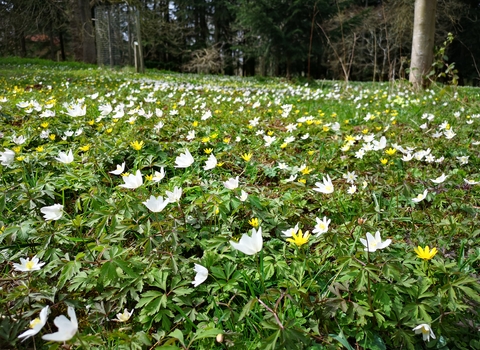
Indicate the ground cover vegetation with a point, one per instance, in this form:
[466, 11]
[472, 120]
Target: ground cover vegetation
[169, 211]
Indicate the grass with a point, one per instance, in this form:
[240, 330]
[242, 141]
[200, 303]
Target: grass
[107, 253]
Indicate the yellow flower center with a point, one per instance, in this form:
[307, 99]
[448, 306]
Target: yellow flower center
[34, 322]
[29, 265]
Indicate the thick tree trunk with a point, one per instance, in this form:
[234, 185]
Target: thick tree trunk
[423, 41]
[83, 31]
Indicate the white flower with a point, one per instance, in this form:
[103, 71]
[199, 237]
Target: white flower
[7, 157]
[158, 176]
[36, 325]
[191, 135]
[66, 328]
[119, 170]
[76, 110]
[471, 182]
[379, 145]
[407, 157]
[449, 134]
[123, 316]
[175, 195]
[156, 204]
[184, 160]
[352, 189]
[28, 265]
[439, 179]
[132, 181]
[18, 140]
[243, 196]
[463, 160]
[232, 183]
[52, 212]
[65, 158]
[373, 243]
[211, 162]
[425, 330]
[321, 226]
[249, 245]
[291, 231]
[350, 177]
[201, 275]
[420, 197]
[326, 187]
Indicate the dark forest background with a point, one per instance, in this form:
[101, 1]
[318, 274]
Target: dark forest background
[343, 39]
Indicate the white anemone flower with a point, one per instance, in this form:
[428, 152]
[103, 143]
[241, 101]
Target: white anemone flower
[243, 196]
[232, 183]
[425, 330]
[36, 325]
[133, 181]
[249, 245]
[291, 231]
[439, 179]
[321, 226]
[28, 265]
[65, 158]
[119, 170]
[201, 275]
[52, 212]
[67, 328]
[175, 195]
[420, 197]
[156, 204]
[211, 162]
[159, 175]
[124, 316]
[7, 157]
[373, 244]
[325, 187]
[184, 160]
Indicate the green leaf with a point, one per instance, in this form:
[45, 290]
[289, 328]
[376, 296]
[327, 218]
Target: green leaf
[342, 341]
[177, 334]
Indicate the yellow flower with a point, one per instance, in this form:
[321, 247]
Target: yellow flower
[309, 122]
[306, 170]
[298, 239]
[205, 139]
[384, 161]
[391, 151]
[44, 125]
[311, 153]
[325, 128]
[149, 177]
[226, 139]
[254, 222]
[213, 136]
[350, 138]
[208, 150]
[219, 164]
[346, 121]
[137, 146]
[109, 130]
[85, 148]
[303, 181]
[247, 156]
[16, 149]
[270, 133]
[249, 126]
[20, 158]
[283, 145]
[365, 131]
[51, 137]
[425, 254]
[39, 149]
[91, 122]
[195, 124]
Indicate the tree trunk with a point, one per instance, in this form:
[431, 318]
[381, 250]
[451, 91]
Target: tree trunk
[83, 31]
[422, 43]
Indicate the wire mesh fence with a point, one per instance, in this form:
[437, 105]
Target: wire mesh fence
[117, 28]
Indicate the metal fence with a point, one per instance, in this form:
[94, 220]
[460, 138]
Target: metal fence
[117, 30]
